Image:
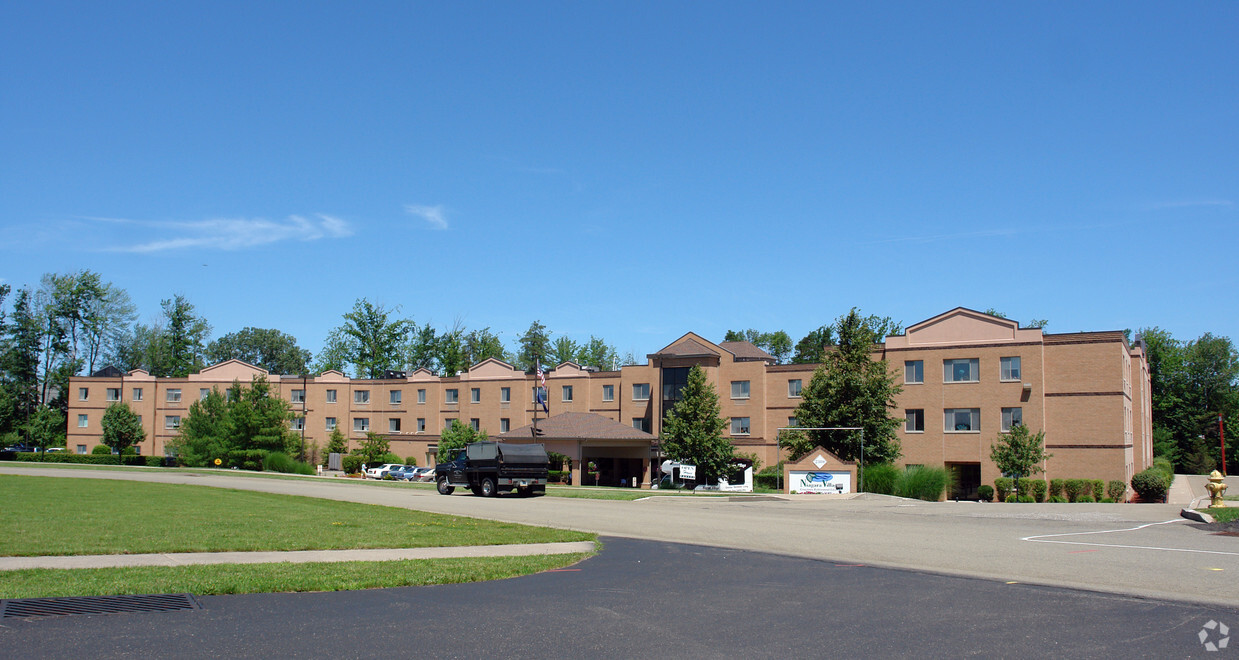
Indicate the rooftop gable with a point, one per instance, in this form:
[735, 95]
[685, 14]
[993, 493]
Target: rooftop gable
[493, 368]
[963, 326]
[690, 345]
[228, 371]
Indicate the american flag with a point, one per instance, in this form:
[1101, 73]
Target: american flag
[541, 386]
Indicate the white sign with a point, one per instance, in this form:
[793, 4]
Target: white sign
[688, 471]
[812, 481]
[820, 461]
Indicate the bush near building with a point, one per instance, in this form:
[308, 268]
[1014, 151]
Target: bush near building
[880, 478]
[1151, 484]
[985, 493]
[1116, 490]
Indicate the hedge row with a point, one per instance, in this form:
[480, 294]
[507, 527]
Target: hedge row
[1059, 490]
[86, 459]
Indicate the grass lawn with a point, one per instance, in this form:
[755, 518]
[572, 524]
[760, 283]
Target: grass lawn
[1228, 514]
[267, 578]
[59, 516]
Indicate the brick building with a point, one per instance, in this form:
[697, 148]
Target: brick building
[966, 377]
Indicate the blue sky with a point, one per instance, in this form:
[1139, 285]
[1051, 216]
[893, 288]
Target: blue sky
[629, 170]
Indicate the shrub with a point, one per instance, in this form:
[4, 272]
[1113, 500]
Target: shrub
[1004, 486]
[281, 462]
[1086, 498]
[1116, 491]
[1150, 484]
[351, 463]
[1098, 488]
[923, 483]
[1011, 499]
[880, 478]
[388, 458]
[1056, 488]
[1073, 489]
[767, 478]
[245, 459]
[1039, 488]
[985, 493]
[410, 460]
[88, 459]
[101, 449]
[1058, 499]
[1164, 465]
[1106, 500]
[1025, 499]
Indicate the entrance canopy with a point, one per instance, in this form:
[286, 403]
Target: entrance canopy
[620, 453]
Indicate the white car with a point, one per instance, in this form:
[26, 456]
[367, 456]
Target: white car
[378, 472]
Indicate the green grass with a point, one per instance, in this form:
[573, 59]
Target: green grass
[267, 578]
[60, 516]
[1229, 514]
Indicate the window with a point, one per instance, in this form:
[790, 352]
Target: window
[174, 396]
[791, 421]
[393, 425]
[1012, 417]
[361, 396]
[172, 422]
[914, 421]
[537, 391]
[475, 395]
[298, 424]
[608, 392]
[505, 425]
[82, 421]
[739, 425]
[361, 424]
[739, 389]
[640, 424]
[566, 394]
[447, 422]
[81, 449]
[475, 424]
[421, 397]
[297, 396]
[137, 394]
[421, 424]
[641, 392]
[331, 396]
[113, 394]
[203, 393]
[1010, 368]
[793, 388]
[914, 372]
[451, 396]
[83, 393]
[505, 395]
[396, 397]
[962, 420]
[331, 423]
[139, 420]
[961, 371]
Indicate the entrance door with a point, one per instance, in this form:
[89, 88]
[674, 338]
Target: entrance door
[966, 478]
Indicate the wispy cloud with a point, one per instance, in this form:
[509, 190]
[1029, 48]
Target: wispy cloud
[1189, 203]
[231, 233]
[433, 215]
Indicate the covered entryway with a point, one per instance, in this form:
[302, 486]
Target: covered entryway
[619, 454]
[966, 480]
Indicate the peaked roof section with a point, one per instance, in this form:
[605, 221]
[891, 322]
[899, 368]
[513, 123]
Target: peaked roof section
[230, 370]
[578, 426]
[962, 326]
[690, 345]
[746, 351]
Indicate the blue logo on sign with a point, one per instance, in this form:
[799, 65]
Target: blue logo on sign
[823, 477]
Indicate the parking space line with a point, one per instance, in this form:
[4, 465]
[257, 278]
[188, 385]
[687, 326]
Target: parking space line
[1051, 538]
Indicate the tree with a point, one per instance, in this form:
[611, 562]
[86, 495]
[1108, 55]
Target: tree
[480, 345]
[420, 349]
[205, 432]
[20, 362]
[598, 354]
[563, 349]
[46, 428]
[1019, 452]
[811, 349]
[535, 344]
[457, 436]
[851, 390]
[369, 340]
[693, 429]
[265, 348]
[259, 421]
[374, 448]
[121, 429]
[778, 343]
[337, 443]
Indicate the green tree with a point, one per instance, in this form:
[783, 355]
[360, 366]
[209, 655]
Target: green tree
[535, 344]
[259, 421]
[337, 443]
[778, 343]
[121, 429]
[264, 348]
[693, 430]
[480, 345]
[457, 436]
[46, 428]
[563, 349]
[811, 349]
[369, 340]
[205, 432]
[851, 389]
[181, 345]
[1019, 452]
[374, 448]
[420, 350]
[599, 354]
[20, 361]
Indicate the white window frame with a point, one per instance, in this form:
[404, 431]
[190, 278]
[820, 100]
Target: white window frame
[83, 393]
[475, 395]
[451, 396]
[913, 372]
[974, 370]
[912, 415]
[83, 421]
[505, 395]
[173, 395]
[505, 425]
[608, 393]
[639, 424]
[1011, 416]
[395, 397]
[421, 424]
[331, 396]
[1008, 375]
[565, 394]
[740, 389]
[361, 397]
[950, 420]
[296, 396]
[361, 424]
[393, 424]
[642, 394]
[741, 426]
[421, 397]
[172, 421]
[203, 393]
[137, 394]
[475, 424]
[297, 424]
[112, 394]
[795, 388]
[330, 423]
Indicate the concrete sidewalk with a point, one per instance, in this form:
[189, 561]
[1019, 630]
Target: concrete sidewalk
[1188, 490]
[300, 556]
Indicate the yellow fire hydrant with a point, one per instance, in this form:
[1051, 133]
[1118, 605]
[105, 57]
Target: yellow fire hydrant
[1216, 488]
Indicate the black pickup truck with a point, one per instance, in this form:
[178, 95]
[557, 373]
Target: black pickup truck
[487, 468]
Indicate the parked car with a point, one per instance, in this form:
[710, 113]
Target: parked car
[422, 474]
[402, 473]
[378, 472]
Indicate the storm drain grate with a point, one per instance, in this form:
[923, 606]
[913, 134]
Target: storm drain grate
[18, 608]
